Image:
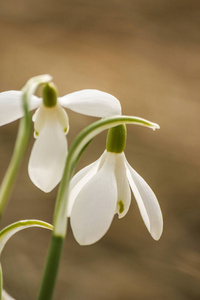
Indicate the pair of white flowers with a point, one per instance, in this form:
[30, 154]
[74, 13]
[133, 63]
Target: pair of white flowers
[51, 124]
[100, 190]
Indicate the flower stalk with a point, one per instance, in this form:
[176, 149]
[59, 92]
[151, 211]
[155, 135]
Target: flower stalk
[18, 153]
[1, 282]
[51, 268]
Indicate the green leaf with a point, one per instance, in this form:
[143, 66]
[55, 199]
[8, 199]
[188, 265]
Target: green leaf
[10, 230]
[1, 282]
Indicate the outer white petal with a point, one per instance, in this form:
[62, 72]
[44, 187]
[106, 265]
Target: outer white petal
[95, 205]
[48, 157]
[11, 106]
[80, 179]
[124, 193]
[92, 103]
[147, 203]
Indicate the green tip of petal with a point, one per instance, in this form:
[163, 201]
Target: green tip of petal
[49, 95]
[116, 139]
[120, 206]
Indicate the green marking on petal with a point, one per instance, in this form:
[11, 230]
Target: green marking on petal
[121, 206]
[49, 95]
[65, 129]
[36, 133]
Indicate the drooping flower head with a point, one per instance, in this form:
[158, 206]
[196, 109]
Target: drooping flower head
[51, 124]
[102, 189]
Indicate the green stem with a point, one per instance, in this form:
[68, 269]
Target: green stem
[1, 282]
[51, 269]
[60, 214]
[18, 154]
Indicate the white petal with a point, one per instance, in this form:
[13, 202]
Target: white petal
[80, 179]
[48, 157]
[11, 106]
[147, 203]
[95, 205]
[5, 296]
[92, 103]
[124, 193]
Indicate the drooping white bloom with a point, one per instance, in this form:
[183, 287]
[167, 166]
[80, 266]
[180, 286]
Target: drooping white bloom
[51, 124]
[101, 190]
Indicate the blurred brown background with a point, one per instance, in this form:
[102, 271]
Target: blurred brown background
[146, 53]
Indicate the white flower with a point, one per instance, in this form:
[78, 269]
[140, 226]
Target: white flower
[49, 152]
[102, 189]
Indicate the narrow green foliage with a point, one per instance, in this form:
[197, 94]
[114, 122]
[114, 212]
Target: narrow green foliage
[1, 282]
[9, 231]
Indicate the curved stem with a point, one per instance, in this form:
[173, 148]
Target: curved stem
[18, 154]
[21, 141]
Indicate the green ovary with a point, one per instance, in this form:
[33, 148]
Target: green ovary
[116, 139]
[49, 95]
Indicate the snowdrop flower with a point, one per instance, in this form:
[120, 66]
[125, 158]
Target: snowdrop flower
[51, 124]
[102, 189]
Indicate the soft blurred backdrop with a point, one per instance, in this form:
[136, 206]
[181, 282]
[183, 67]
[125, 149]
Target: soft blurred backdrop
[146, 53]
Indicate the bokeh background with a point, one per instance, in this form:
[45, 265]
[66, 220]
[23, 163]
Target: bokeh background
[146, 53]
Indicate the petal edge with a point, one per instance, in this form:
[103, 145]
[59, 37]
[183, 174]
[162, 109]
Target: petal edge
[147, 203]
[11, 106]
[92, 103]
